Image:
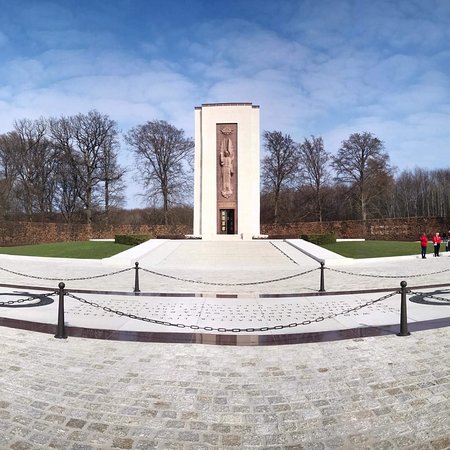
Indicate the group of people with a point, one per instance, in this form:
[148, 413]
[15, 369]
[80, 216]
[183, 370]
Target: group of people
[437, 240]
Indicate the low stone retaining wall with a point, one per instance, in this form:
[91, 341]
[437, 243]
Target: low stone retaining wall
[23, 233]
[407, 229]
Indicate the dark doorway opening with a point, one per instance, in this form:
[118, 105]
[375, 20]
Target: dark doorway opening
[227, 224]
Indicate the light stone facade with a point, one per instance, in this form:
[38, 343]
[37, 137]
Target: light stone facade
[227, 189]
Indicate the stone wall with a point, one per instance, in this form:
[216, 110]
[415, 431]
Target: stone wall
[23, 233]
[381, 229]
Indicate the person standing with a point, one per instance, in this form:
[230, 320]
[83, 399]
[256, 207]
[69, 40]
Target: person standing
[423, 245]
[436, 243]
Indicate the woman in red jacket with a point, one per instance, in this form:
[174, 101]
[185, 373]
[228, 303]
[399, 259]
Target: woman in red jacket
[436, 243]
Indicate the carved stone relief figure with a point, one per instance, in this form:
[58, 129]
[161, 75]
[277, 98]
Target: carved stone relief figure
[226, 163]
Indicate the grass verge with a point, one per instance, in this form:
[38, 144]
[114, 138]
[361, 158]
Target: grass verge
[82, 250]
[98, 250]
[376, 249]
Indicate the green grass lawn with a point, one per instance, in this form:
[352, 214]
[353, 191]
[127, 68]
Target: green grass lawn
[98, 250]
[376, 249]
[83, 249]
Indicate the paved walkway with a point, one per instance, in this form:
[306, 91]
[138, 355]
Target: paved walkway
[375, 393]
[383, 392]
[231, 267]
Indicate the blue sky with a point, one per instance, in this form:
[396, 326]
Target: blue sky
[322, 67]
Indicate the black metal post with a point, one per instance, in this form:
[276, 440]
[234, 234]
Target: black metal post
[136, 277]
[60, 330]
[403, 313]
[322, 277]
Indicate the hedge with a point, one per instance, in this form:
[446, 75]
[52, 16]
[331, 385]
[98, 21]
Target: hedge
[319, 239]
[131, 239]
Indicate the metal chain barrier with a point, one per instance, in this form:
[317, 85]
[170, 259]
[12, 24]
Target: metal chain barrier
[283, 253]
[28, 299]
[435, 297]
[233, 330]
[211, 283]
[67, 279]
[386, 276]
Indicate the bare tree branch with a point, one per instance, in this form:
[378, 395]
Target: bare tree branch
[163, 157]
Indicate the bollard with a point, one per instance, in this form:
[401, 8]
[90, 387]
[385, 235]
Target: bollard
[60, 330]
[136, 277]
[403, 313]
[322, 277]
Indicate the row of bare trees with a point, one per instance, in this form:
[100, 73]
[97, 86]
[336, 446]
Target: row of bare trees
[304, 182]
[65, 165]
[421, 193]
[68, 167]
[359, 165]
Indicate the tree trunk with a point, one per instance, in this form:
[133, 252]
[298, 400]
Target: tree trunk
[363, 208]
[275, 206]
[89, 205]
[107, 200]
[166, 210]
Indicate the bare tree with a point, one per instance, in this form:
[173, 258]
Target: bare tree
[162, 156]
[68, 186]
[359, 163]
[314, 161]
[405, 200]
[8, 173]
[35, 160]
[111, 176]
[85, 140]
[280, 166]
[27, 160]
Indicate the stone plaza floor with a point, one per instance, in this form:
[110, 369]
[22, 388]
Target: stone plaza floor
[377, 392]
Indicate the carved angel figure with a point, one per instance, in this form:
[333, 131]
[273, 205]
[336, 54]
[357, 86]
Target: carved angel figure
[226, 163]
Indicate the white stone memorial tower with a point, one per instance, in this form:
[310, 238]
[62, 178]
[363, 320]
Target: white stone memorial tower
[227, 160]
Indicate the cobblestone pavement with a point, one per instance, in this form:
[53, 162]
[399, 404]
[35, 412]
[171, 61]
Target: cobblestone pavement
[384, 392]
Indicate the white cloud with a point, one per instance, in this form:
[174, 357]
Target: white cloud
[314, 68]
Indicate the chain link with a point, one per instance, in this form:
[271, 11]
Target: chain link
[385, 276]
[211, 283]
[28, 299]
[282, 252]
[67, 279]
[232, 330]
[435, 297]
